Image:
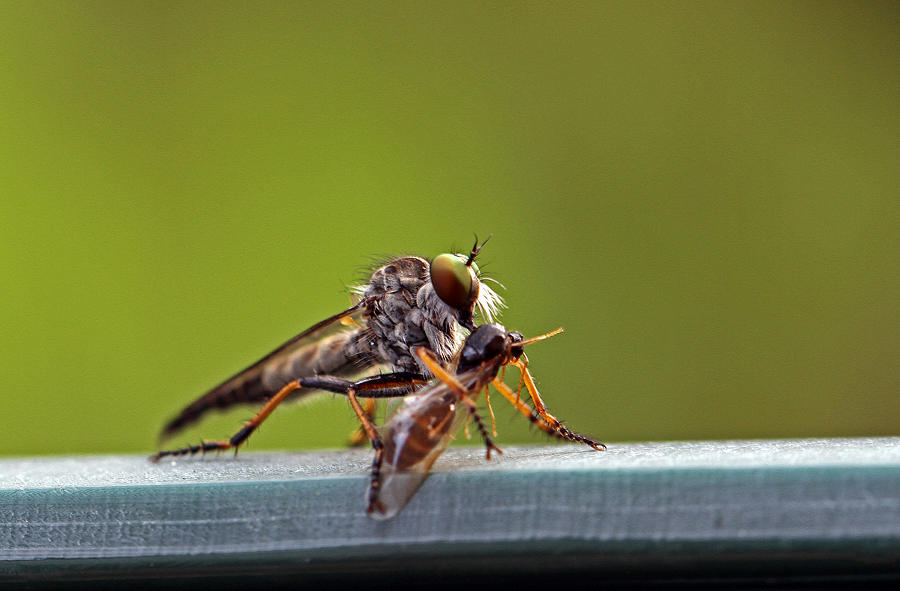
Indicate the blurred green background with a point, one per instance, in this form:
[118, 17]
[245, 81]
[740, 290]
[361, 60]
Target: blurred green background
[705, 195]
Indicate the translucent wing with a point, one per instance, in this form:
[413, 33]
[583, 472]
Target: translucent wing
[324, 348]
[417, 434]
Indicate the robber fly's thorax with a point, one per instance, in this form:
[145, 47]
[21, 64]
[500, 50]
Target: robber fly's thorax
[407, 313]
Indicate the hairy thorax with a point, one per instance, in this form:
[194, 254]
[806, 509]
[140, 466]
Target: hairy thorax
[407, 313]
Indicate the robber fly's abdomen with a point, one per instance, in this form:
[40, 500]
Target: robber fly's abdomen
[336, 355]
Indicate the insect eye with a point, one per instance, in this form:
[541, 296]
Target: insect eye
[453, 281]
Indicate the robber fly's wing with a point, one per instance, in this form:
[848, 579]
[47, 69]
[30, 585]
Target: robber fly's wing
[417, 434]
[317, 350]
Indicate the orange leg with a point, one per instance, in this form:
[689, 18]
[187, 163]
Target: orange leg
[535, 396]
[526, 410]
[358, 437]
[551, 426]
[238, 438]
[380, 386]
[369, 429]
[487, 400]
[522, 369]
[435, 367]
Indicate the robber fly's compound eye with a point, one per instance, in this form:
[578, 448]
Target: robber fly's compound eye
[454, 282]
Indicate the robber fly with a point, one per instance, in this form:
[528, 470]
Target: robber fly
[424, 424]
[409, 303]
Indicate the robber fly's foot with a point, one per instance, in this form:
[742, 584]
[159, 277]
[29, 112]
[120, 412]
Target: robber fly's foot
[491, 447]
[191, 450]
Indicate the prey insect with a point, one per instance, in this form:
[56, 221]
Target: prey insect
[409, 303]
[427, 420]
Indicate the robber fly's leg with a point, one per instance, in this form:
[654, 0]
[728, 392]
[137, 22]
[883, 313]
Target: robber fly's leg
[387, 385]
[358, 436]
[381, 386]
[377, 445]
[238, 438]
[349, 388]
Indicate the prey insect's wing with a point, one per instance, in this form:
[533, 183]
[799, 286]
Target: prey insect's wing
[318, 349]
[416, 435]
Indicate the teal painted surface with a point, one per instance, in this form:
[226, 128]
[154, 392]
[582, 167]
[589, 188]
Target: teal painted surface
[753, 499]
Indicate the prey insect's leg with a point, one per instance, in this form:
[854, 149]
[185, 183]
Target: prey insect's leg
[473, 412]
[358, 437]
[526, 410]
[564, 433]
[545, 416]
[487, 400]
[241, 436]
[442, 374]
[381, 386]
[438, 370]
[522, 369]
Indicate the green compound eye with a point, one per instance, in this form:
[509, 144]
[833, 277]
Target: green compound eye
[453, 281]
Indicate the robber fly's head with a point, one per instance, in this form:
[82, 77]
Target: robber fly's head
[490, 342]
[457, 282]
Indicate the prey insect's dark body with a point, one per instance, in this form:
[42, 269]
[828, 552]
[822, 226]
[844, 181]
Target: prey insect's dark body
[424, 424]
[409, 302]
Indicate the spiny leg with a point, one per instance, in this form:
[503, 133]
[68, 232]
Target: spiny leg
[238, 438]
[473, 412]
[435, 367]
[377, 445]
[539, 406]
[387, 385]
[544, 420]
[487, 400]
[526, 410]
[442, 374]
[382, 386]
[358, 436]
[522, 369]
